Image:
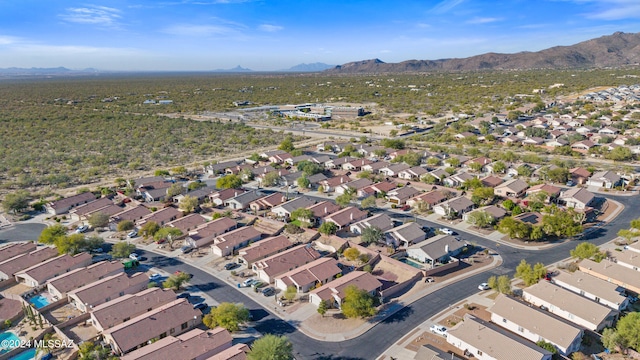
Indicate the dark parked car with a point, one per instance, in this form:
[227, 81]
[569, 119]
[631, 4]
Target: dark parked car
[200, 306]
[184, 295]
[269, 291]
[230, 266]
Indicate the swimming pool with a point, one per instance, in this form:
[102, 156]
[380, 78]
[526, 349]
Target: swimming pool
[12, 338]
[40, 301]
[25, 355]
[411, 262]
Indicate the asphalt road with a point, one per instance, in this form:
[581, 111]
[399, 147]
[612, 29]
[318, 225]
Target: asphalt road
[21, 232]
[371, 344]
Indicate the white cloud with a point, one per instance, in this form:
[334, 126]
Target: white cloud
[446, 5]
[483, 20]
[8, 40]
[611, 9]
[270, 28]
[198, 30]
[92, 14]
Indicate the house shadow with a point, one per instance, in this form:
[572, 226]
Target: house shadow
[399, 316]
[207, 286]
[276, 326]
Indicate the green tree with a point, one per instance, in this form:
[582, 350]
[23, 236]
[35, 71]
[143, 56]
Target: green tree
[558, 175]
[122, 250]
[309, 167]
[351, 254]
[229, 182]
[167, 233]
[149, 229]
[620, 153]
[290, 293]
[524, 271]
[195, 185]
[584, 250]
[72, 244]
[91, 351]
[626, 334]
[271, 179]
[372, 235]
[358, 303]
[508, 204]
[539, 271]
[303, 182]
[504, 284]
[16, 201]
[125, 225]
[188, 203]
[302, 214]
[286, 145]
[176, 281]
[368, 202]
[499, 167]
[227, 315]
[161, 172]
[175, 189]
[481, 219]
[179, 170]
[323, 307]
[547, 346]
[345, 199]
[485, 195]
[271, 347]
[99, 220]
[514, 228]
[49, 235]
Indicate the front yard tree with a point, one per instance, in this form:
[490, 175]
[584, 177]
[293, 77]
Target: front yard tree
[368, 202]
[301, 214]
[504, 284]
[16, 201]
[328, 228]
[303, 182]
[481, 219]
[358, 303]
[290, 293]
[125, 225]
[122, 249]
[149, 229]
[584, 250]
[323, 307]
[271, 179]
[188, 203]
[72, 244]
[228, 316]
[625, 335]
[99, 220]
[175, 189]
[176, 281]
[49, 235]
[229, 182]
[271, 347]
[351, 254]
[372, 235]
[345, 199]
[167, 233]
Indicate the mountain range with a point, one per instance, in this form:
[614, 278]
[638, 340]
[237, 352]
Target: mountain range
[618, 49]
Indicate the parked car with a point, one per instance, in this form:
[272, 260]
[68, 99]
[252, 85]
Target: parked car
[231, 266]
[184, 295]
[438, 329]
[155, 277]
[81, 229]
[200, 306]
[186, 249]
[405, 208]
[134, 256]
[257, 284]
[132, 234]
[248, 282]
[570, 183]
[269, 291]
[484, 286]
[446, 231]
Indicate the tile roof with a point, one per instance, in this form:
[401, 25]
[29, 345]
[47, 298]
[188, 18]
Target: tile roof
[23, 261]
[99, 291]
[115, 311]
[237, 236]
[493, 342]
[85, 275]
[190, 345]
[149, 325]
[515, 185]
[324, 208]
[188, 223]
[317, 270]
[264, 248]
[381, 221]
[580, 194]
[439, 246]
[619, 274]
[92, 206]
[590, 284]
[236, 352]
[163, 215]
[299, 202]
[360, 279]
[410, 232]
[15, 249]
[346, 216]
[133, 214]
[72, 200]
[287, 260]
[56, 266]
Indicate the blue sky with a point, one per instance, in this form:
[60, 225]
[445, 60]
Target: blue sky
[193, 35]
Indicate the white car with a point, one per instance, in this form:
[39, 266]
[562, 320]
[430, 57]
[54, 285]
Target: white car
[155, 276]
[484, 286]
[248, 282]
[446, 231]
[438, 329]
[134, 256]
[81, 229]
[132, 234]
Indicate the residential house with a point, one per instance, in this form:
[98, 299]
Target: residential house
[219, 168]
[132, 214]
[290, 179]
[570, 306]
[551, 191]
[283, 211]
[333, 292]
[436, 250]
[532, 218]
[605, 179]
[206, 233]
[413, 173]
[220, 198]
[145, 181]
[377, 189]
[38, 274]
[123, 308]
[497, 213]
[430, 199]
[9, 267]
[227, 243]
[308, 276]
[557, 142]
[263, 249]
[583, 146]
[354, 185]
[629, 259]
[297, 159]
[268, 202]
[63, 206]
[161, 217]
[512, 188]
[316, 179]
[380, 221]
[455, 207]
[337, 163]
[577, 198]
[484, 341]
[614, 273]
[591, 287]
[458, 179]
[346, 216]
[579, 175]
[400, 196]
[356, 165]
[534, 324]
[200, 194]
[277, 264]
[103, 205]
[405, 235]
[330, 184]
[60, 285]
[375, 167]
[98, 292]
[171, 319]
[480, 161]
[279, 158]
[491, 181]
[188, 223]
[393, 170]
[243, 200]
[194, 344]
[14, 249]
[268, 154]
[608, 130]
[156, 191]
[235, 352]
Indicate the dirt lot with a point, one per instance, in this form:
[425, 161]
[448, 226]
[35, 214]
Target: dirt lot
[331, 321]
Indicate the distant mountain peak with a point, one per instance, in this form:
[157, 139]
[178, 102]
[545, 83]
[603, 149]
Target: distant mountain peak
[618, 49]
[312, 67]
[235, 69]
